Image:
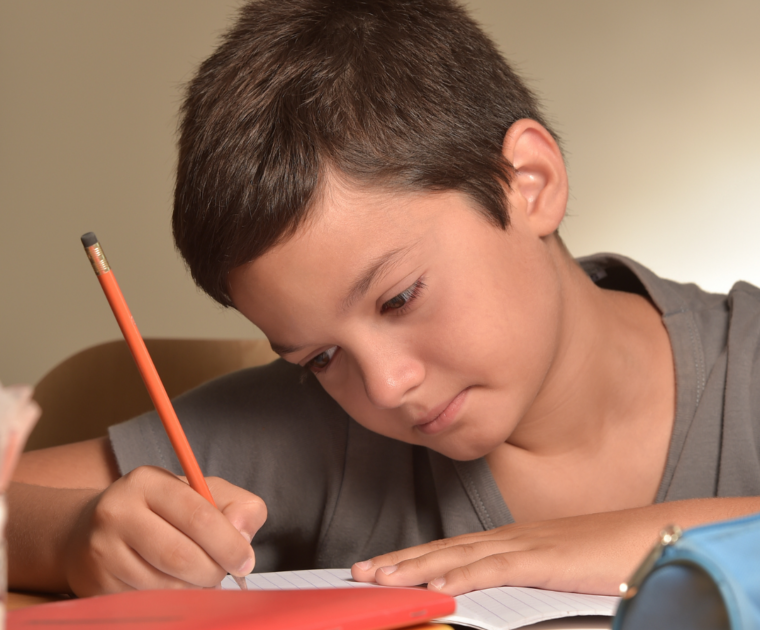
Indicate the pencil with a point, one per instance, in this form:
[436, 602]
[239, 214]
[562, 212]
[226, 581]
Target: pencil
[148, 372]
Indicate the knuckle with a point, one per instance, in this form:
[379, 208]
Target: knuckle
[260, 512]
[465, 573]
[107, 513]
[140, 477]
[437, 545]
[388, 559]
[217, 485]
[500, 563]
[98, 548]
[181, 560]
[202, 516]
[258, 506]
[467, 550]
[418, 562]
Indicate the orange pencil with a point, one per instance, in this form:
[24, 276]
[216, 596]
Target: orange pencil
[148, 371]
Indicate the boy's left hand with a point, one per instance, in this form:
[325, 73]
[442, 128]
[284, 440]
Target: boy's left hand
[586, 554]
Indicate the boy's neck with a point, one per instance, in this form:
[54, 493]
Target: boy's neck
[609, 397]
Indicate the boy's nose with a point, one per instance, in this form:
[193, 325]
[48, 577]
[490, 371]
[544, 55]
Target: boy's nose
[387, 379]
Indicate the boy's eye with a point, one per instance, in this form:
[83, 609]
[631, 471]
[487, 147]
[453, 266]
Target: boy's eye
[403, 299]
[396, 302]
[321, 361]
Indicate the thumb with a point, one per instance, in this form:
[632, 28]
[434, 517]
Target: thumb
[246, 511]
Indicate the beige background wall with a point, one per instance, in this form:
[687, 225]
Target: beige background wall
[657, 103]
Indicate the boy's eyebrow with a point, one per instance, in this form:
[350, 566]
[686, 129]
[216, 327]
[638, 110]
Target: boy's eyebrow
[372, 272]
[283, 349]
[358, 289]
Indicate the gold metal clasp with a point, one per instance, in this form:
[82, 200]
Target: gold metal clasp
[668, 536]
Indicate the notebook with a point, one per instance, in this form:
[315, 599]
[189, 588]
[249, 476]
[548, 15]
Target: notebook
[502, 608]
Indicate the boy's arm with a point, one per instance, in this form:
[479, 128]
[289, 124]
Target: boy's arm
[42, 517]
[89, 464]
[592, 553]
[71, 529]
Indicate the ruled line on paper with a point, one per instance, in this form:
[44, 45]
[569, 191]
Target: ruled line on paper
[504, 608]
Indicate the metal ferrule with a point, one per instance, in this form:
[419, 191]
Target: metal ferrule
[98, 259]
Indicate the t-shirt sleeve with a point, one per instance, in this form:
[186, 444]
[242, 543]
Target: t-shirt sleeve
[740, 436]
[272, 430]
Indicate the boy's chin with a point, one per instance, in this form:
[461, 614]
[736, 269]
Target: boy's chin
[461, 451]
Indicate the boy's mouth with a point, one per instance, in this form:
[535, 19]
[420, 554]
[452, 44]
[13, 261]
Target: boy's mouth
[442, 416]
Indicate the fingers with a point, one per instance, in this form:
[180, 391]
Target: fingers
[515, 568]
[202, 539]
[132, 572]
[462, 568]
[169, 551]
[458, 565]
[151, 530]
[426, 567]
[98, 560]
[366, 570]
[439, 555]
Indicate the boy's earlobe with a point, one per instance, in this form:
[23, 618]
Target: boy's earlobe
[539, 186]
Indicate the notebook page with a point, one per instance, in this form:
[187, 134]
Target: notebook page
[509, 607]
[297, 580]
[492, 609]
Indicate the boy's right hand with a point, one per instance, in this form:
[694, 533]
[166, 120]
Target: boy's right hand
[149, 529]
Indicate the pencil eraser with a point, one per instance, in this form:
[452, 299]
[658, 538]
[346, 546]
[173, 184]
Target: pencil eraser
[89, 239]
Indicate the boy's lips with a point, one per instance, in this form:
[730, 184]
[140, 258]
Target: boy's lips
[440, 417]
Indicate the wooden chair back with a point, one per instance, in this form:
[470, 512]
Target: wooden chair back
[100, 386]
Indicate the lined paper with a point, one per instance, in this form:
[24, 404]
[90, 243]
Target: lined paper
[297, 580]
[502, 608]
[511, 607]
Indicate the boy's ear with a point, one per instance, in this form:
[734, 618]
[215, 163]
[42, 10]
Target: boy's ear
[539, 184]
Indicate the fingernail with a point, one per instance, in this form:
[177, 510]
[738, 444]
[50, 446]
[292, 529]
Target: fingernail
[438, 583]
[247, 536]
[246, 567]
[389, 570]
[365, 565]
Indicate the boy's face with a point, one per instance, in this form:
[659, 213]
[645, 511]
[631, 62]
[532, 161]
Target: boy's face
[425, 322]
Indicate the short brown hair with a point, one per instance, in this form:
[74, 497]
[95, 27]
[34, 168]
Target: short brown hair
[403, 93]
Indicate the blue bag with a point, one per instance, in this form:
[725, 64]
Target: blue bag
[707, 577]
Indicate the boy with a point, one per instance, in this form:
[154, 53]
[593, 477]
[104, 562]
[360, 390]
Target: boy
[371, 185]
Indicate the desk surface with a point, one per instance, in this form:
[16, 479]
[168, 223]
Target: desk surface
[22, 600]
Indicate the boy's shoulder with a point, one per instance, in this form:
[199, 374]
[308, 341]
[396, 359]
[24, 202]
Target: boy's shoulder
[253, 415]
[715, 339]
[706, 329]
[620, 273]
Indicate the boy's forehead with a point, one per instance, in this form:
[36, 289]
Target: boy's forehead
[355, 235]
[367, 220]
[343, 208]
[341, 204]
[350, 230]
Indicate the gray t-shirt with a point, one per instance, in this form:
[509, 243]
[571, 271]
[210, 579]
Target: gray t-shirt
[338, 493]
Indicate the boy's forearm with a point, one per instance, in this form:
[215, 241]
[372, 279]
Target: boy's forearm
[693, 512]
[39, 528]
[88, 464]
